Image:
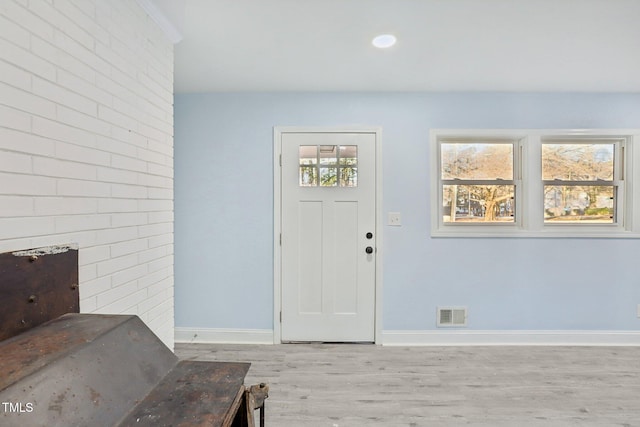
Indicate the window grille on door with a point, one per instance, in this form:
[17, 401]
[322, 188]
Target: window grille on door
[328, 166]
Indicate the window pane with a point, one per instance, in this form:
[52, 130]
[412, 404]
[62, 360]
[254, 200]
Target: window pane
[477, 161]
[328, 165]
[308, 176]
[328, 176]
[478, 203]
[328, 155]
[348, 176]
[577, 162]
[348, 154]
[584, 203]
[308, 154]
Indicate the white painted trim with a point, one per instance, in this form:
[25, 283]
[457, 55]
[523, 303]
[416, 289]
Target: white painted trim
[277, 226]
[223, 336]
[277, 230]
[161, 20]
[516, 337]
[531, 224]
[431, 338]
[379, 237]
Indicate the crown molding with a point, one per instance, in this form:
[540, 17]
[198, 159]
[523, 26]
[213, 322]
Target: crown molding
[161, 20]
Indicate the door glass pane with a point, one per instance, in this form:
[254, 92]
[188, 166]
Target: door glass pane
[328, 176]
[328, 166]
[308, 154]
[348, 176]
[328, 155]
[308, 176]
[348, 154]
[478, 203]
[348, 165]
[577, 162]
[479, 161]
[579, 203]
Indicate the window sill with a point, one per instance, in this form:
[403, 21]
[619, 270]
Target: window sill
[537, 234]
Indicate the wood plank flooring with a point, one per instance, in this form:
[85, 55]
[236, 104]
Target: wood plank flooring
[353, 385]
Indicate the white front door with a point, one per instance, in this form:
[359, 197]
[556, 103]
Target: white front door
[328, 224]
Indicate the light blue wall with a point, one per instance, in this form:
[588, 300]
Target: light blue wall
[224, 214]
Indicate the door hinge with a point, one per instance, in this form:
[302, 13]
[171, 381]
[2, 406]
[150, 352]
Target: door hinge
[280, 159]
[280, 316]
[280, 239]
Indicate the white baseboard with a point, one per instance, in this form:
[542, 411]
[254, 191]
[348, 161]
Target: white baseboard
[468, 338]
[223, 336]
[430, 338]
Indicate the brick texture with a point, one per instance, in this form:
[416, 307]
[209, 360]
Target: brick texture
[86, 148]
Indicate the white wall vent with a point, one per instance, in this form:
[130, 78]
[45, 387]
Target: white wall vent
[452, 316]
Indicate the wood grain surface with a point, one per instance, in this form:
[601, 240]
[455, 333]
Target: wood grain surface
[347, 385]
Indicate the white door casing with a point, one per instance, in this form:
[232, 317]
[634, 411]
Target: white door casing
[326, 282]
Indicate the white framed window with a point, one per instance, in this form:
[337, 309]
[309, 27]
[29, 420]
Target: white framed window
[536, 183]
[583, 180]
[479, 180]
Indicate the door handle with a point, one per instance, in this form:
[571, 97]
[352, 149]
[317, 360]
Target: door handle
[369, 250]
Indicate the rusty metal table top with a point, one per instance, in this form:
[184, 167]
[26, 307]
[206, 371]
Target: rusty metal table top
[193, 394]
[24, 354]
[111, 370]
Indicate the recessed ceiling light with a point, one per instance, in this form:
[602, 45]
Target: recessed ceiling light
[384, 41]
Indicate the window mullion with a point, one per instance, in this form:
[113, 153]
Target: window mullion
[561, 182]
[478, 182]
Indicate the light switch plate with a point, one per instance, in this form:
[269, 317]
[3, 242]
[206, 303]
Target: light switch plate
[395, 219]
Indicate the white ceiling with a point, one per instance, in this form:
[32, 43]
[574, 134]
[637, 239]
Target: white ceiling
[443, 45]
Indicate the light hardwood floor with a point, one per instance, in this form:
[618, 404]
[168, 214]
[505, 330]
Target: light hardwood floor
[349, 385]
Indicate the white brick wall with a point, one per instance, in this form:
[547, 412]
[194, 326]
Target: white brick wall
[86, 148]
